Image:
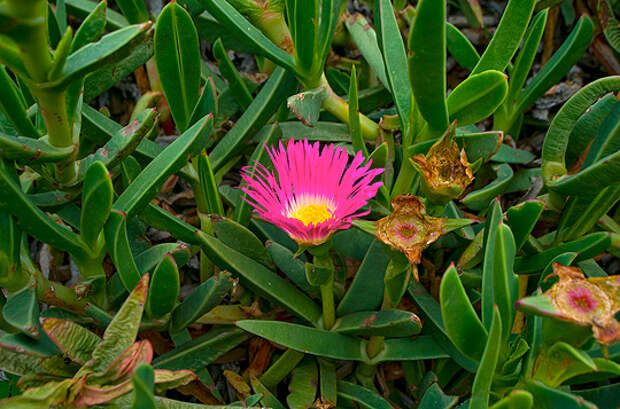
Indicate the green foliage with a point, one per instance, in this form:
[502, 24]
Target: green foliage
[132, 263]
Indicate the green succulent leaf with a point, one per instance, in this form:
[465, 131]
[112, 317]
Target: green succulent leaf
[387, 323]
[477, 97]
[164, 288]
[488, 364]
[177, 54]
[507, 37]
[97, 197]
[121, 333]
[74, 341]
[427, 63]
[303, 384]
[200, 301]
[367, 289]
[201, 351]
[395, 60]
[460, 320]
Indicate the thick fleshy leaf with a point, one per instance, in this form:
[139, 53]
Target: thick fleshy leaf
[587, 247]
[13, 105]
[201, 351]
[306, 339]
[74, 341]
[561, 362]
[395, 59]
[134, 10]
[177, 54]
[280, 85]
[522, 218]
[507, 37]
[240, 238]
[477, 97]
[560, 63]
[488, 364]
[143, 380]
[307, 105]
[227, 15]
[92, 27]
[110, 49]
[546, 397]
[364, 397]
[435, 398]
[367, 289]
[480, 199]
[410, 349]
[461, 48]
[22, 311]
[555, 145]
[430, 311]
[122, 143]
[494, 218]
[303, 384]
[121, 332]
[97, 197]
[505, 282]
[365, 38]
[147, 184]
[427, 63]
[516, 399]
[260, 278]
[460, 320]
[164, 288]
[39, 225]
[200, 301]
[388, 323]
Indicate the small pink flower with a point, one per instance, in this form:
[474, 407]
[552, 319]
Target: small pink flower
[312, 193]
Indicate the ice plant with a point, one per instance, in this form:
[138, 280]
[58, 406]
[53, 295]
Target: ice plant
[408, 229]
[312, 192]
[444, 170]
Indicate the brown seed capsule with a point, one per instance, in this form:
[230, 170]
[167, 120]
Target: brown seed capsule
[444, 170]
[408, 229]
[593, 301]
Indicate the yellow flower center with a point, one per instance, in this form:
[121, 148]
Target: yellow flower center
[311, 213]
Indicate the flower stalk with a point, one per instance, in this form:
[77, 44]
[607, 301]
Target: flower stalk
[323, 259]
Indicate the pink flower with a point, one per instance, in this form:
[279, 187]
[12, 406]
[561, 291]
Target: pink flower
[312, 193]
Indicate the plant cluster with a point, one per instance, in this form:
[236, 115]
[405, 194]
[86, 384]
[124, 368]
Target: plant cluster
[349, 234]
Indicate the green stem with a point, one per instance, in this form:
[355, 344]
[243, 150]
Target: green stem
[375, 345]
[405, 178]
[281, 368]
[329, 309]
[322, 258]
[340, 109]
[32, 38]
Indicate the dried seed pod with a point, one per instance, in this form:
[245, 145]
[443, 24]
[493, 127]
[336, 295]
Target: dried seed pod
[444, 170]
[408, 229]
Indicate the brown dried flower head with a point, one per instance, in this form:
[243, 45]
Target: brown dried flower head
[592, 301]
[408, 229]
[444, 170]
